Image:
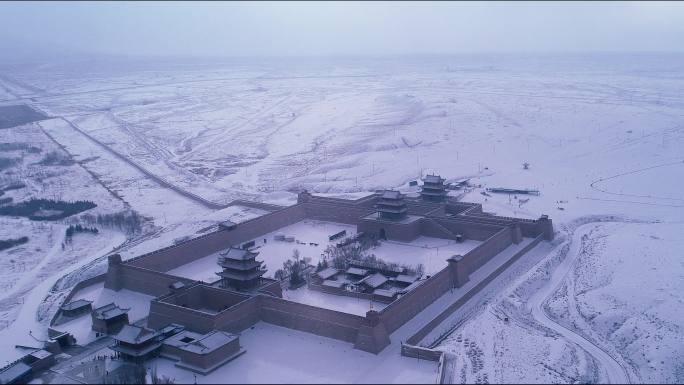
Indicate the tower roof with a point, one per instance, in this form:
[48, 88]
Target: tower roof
[237, 254]
[433, 179]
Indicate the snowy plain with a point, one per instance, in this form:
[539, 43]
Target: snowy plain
[603, 135]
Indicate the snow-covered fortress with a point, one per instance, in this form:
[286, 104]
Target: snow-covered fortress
[241, 296]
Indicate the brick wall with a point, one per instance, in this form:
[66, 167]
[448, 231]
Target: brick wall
[403, 309]
[311, 319]
[481, 254]
[142, 280]
[186, 252]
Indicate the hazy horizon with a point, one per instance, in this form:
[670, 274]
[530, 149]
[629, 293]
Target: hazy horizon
[331, 29]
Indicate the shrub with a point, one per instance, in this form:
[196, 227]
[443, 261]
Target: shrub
[9, 243]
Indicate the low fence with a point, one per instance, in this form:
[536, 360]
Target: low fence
[419, 352]
[79, 286]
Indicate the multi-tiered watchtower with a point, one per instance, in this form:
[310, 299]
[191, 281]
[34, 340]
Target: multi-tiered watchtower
[241, 270]
[392, 206]
[433, 189]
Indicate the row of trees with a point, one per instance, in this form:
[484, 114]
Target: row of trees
[16, 146]
[9, 243]
[75, 229]
[129, 222]
[7, 163]
[338, 257]
[46, 209]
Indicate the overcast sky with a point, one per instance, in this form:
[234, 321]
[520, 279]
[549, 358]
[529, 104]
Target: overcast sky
[330, 28]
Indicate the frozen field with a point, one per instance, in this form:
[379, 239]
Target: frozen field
[430, 252]
[603, 136]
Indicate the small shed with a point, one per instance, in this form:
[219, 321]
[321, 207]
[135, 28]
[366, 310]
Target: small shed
[373, 282]
[356, 273]
[386, 294]
[327, 273]
[76, 308]
[109, 319]
[404, 280]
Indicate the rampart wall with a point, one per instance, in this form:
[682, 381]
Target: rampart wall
[178, 255]
[146, 281]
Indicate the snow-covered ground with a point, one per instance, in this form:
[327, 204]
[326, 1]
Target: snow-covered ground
[603, 136]
[340, 303]
[430, 252]
[81, 327]
[279, 355]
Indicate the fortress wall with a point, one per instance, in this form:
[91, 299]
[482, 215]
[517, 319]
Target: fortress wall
[162, 314]
[469, 229]
[172, 257]
[206, 297]
[239, 317]
[311, 319]
[403, 309]
[146, 281]
[481, 254]
[404, 232]
[425, 330]
[335, 212]
[257, 205]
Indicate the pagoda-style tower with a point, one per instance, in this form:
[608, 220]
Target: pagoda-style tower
[392, 206]
[433, 189]
[241, 270]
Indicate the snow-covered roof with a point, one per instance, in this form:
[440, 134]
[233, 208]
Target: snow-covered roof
[375, 280]
[335, 284]
[200, 343]
[41, 354]
[14, 372]
[406, 278]
[327, 273]
[134, 334]
[357, 271]
[109, 311]
[411, 287]
[433, 179]
[389, 293]
[237, 254]
[391, 194]
[76, 304]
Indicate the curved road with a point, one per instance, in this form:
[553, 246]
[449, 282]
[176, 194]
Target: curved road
[613, 371]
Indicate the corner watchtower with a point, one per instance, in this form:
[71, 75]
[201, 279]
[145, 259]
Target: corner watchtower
[241, 270]
[433, 189]
[392, 206]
